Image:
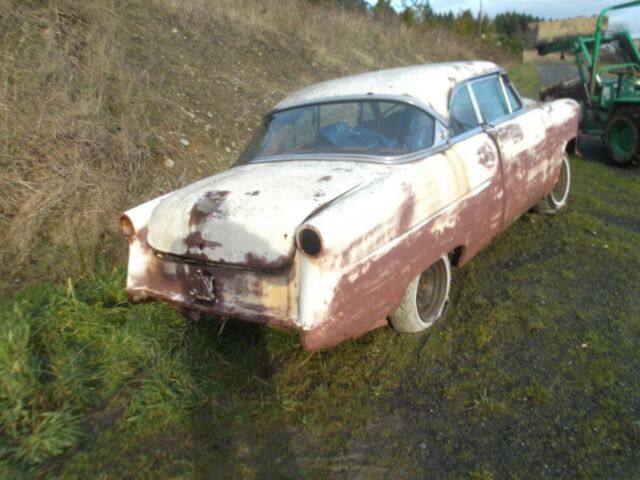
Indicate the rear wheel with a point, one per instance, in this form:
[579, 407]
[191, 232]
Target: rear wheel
[425, 298]
[622, 136]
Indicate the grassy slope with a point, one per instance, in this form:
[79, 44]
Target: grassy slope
[533, 371]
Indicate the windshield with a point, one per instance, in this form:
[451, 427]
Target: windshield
[366, 127]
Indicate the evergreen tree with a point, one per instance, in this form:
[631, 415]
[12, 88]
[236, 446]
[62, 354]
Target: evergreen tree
[383, 9]
[464, 23]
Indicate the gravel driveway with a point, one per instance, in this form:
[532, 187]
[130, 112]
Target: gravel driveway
[551, 74]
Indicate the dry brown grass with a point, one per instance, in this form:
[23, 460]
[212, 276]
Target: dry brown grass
[95, 97]
[74, 136]
[341, 38]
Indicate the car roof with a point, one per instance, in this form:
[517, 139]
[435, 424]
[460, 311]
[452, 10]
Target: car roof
[430, 84]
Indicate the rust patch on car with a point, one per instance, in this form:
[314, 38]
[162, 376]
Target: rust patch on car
[195, 240]
[208, 206]
[407, 210]
[486, 156]
[253, 260]
[511, 132]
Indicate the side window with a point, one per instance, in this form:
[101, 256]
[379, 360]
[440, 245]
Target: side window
[512, 96]
[490, 98]
[463, 116]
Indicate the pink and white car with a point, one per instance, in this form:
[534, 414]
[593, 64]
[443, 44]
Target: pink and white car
[353, 201]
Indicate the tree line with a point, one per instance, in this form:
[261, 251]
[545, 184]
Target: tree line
[506, 29]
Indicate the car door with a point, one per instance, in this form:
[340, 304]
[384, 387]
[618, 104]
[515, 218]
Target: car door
[520, 136]
[475, 158]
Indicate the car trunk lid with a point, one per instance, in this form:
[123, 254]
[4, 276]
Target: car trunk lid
[248, 215]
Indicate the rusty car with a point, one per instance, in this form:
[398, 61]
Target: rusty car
[354, 200]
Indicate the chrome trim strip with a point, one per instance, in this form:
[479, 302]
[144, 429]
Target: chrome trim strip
[474, 102]
[515, 91]
[504, 94]
[354, 98]
[333, 157]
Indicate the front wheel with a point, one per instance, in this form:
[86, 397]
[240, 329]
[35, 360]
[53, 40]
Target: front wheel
[559, 195]
[425, 298]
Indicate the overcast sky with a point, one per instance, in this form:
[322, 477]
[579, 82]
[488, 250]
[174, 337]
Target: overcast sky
[542, 8]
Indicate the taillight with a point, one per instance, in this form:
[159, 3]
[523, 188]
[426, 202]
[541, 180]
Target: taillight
[309, 241]
[126, 226]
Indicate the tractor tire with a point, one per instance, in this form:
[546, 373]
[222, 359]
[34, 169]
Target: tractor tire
[622, 136]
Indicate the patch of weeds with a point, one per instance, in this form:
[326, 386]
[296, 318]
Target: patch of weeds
[535, 393]
[602, 372]
[535, 325]
[485, 404]
[63, 351]
[49, 434]
[479, 473]
[483, 335]
[568, 275]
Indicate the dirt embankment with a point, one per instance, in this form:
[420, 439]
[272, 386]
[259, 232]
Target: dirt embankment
[107, 103]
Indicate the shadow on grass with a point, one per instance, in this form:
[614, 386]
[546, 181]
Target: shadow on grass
[227, 431]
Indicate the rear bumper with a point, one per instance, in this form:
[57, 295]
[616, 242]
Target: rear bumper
[268, 297]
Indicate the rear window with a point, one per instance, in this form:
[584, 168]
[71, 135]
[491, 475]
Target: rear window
[367, 127]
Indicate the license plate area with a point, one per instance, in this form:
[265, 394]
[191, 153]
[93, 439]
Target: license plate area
[203, 286]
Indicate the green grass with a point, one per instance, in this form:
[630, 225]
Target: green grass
[533, 371]
[526, 79]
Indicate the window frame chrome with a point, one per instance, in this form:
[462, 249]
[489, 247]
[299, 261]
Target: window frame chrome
[468, 84]
[505, 95]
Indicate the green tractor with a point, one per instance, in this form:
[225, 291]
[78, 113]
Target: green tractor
[608, 86]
